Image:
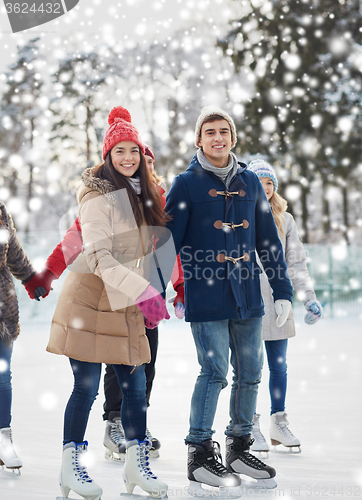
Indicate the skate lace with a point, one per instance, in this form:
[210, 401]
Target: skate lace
[117, 432]
[148, 434]
[258, 436]
[284, 429]
[144, 458]
[81, 470]
[214, 461]
[253, 461]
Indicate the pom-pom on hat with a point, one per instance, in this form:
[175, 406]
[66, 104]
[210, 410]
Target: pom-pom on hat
[262, 169]
[149, 152]
[120, 129]
[208, 111]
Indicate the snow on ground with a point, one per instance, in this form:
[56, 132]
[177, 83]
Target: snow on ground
[323, 404]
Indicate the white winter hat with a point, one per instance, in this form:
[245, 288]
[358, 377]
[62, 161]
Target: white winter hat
[208, 111]
[262, 169]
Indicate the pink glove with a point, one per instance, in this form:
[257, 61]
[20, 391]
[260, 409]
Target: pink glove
[149, 325]
[153, 306]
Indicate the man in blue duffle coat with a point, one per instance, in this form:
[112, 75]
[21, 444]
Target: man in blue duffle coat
[220, 218]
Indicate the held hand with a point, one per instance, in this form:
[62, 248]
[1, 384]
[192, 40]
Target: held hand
[180, 311]
[150, 325]
[40, 285]
[282, 308]
[179, 302]
[153, 306]
[314, 311]
[39, 292]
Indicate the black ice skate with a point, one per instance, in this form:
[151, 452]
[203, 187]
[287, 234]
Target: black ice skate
[204, 466]
[114, 440]
[239, 460]
[154, 450]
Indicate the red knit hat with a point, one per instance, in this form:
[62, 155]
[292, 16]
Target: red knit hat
[120, 129]
[149, 152]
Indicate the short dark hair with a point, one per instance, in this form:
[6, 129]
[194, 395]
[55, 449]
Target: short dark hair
[214, 118]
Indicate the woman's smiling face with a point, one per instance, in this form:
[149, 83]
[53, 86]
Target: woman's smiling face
[268, 186]
[126, 157]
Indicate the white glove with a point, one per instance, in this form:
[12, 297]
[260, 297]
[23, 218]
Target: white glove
[179, 308]
[282, 308]
[314, 312]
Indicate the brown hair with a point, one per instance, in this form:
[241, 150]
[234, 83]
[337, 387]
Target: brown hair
[214, 118]
[150, 197]
[278, 206]
[157, 178]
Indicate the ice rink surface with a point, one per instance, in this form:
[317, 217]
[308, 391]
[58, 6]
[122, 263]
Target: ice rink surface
[324, 406]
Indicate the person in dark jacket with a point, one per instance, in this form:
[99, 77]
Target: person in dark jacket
[220, 218]
[13, 262]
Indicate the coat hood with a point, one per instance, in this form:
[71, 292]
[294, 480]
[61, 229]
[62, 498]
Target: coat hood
[92, 183]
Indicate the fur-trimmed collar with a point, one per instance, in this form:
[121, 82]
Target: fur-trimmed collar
[101, 185]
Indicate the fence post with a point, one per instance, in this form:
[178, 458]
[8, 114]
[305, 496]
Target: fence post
[330, 279]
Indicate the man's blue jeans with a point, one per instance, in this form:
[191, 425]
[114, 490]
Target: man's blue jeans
[86, 384]
[5, 384]
[213, 339]
[276, 351]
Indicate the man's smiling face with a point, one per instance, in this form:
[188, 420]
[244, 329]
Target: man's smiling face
[215, 142]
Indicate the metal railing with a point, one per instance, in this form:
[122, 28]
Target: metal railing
[336, 271]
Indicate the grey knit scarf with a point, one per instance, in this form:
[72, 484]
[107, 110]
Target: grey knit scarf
[226, 174]
[135, 183]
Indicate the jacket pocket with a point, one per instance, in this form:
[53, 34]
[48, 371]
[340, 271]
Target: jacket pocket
[204, 296]
[254, 299]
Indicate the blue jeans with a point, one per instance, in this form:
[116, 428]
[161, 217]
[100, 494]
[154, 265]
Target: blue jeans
[5, 384]
[86, 384]
[276, 351]
[213, 339]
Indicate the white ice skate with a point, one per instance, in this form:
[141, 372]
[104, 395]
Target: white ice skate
[260, 445]
[281, 434]
[74, 476]
[114, 440]
[137, 472]
[8, 457]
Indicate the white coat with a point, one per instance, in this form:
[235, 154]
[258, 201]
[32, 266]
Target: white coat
[297, 267]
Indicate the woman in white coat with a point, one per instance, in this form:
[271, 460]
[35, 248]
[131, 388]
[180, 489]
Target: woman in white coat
[276, 338]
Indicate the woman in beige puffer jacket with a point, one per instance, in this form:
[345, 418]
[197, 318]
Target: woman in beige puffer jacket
[276, 338]
[106, 300]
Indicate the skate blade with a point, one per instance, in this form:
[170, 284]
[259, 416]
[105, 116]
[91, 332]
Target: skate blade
[135, 496]
[267, 484]
[295, 450]
[11, 471]
[65, 498]
[70, 498]
[196, 490]
[263, 454]
[114, 456]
